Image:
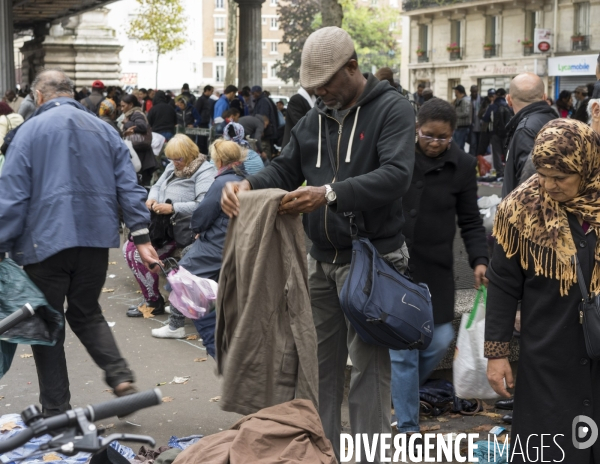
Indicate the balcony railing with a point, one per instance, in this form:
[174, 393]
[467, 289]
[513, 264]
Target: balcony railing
[455, 54]
[423, 57]
[409, 5]
[579, 43]
[491, 51]
[527, 50]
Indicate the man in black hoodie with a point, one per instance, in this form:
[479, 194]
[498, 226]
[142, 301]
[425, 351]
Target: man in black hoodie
[528, 100]
[356, 151]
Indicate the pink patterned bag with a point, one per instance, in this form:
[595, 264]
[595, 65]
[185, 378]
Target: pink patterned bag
[193, 296]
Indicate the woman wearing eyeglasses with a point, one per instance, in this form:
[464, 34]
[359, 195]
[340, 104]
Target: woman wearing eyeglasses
[443, 192]
[185, 182]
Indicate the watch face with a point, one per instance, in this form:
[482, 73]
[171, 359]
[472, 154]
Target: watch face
[331, 196]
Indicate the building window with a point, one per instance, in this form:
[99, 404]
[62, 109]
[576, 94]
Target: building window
[393, 26]
[264, 69]
[219, 24]
[273, 2]
[274, 72]
[423, 47]
[264, 21]
[219, 4]
[274, 24]
[220, 73]
[582, 19]
[490, 48]
[374, 2]
[264, 45]
[274, 47]
[394, 3]
[219, 48]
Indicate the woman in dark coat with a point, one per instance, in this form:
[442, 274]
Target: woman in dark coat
[135, 122]
[443, 188]
[540, 228]
[209, 222]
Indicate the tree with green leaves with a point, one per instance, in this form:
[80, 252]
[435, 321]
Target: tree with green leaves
[161, 25]
[369, 27]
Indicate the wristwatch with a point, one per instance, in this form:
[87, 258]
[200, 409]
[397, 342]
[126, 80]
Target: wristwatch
[330, 195]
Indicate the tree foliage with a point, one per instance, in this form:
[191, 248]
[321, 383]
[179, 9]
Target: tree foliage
[161, 24]
[369, 27]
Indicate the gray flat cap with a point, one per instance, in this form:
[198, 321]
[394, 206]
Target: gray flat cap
[325, 52]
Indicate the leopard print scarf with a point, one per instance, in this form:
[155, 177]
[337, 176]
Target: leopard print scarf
[529, 221]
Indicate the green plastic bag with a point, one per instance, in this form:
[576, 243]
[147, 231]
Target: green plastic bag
[43, 328]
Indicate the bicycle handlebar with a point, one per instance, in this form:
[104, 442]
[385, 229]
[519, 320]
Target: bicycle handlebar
[116, 407]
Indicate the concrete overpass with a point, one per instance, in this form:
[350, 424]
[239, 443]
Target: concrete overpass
[19, 15]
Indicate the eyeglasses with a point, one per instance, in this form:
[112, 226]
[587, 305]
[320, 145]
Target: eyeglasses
[176, 160]
[428, 139]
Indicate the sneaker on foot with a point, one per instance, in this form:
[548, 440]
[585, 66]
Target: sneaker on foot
[168, 309]
[166, 332]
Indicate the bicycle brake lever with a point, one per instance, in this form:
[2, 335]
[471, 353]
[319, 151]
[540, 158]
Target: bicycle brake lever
[127, 437]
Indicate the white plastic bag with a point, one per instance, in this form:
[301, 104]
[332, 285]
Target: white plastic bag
[469, 369]
[193, 296]
[157, 143]
[135, 159]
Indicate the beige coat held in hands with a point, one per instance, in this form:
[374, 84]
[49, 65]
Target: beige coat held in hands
[284, 434]
[266, 341]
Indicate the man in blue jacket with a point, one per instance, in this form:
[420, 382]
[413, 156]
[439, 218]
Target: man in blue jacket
[66, 173]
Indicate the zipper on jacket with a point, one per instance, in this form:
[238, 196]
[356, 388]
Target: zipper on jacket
[333, 180]
[400, 283]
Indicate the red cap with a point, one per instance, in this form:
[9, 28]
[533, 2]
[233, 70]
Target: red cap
[97, 85]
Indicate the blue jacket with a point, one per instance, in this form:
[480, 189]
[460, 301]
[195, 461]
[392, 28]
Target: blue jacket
[205, 256]
[221, 105]
[65, 175]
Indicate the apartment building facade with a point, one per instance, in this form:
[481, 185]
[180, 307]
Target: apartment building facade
[451, 42]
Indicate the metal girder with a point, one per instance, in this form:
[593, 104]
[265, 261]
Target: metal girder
[28, 13]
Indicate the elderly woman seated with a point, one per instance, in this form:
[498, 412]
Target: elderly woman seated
[209, 222]
[185, 182]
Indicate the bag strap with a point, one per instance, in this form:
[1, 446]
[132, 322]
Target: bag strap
[482, 291]
[581, 281]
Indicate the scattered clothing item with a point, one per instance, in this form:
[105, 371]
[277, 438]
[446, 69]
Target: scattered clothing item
[266, 340]
[286, 433]
[496, 456]
[185, 442]
[29, 449]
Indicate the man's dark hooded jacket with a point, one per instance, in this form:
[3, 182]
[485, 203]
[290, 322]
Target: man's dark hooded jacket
[374, 153]
[522, 130]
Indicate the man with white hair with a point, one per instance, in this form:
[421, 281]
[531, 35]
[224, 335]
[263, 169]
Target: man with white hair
[66, 174]
[528, 100]
[356, 151]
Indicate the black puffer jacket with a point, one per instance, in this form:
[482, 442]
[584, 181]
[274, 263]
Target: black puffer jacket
[522, 130]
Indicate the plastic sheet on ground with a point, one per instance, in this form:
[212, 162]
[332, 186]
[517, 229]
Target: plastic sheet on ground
[32, 446]
[183, 443]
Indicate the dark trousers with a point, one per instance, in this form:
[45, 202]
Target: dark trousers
[78, 275]
[484, 142]
[498, 154]
[474, 143]
[202, 141]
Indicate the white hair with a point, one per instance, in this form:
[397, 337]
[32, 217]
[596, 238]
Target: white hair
[589, 107]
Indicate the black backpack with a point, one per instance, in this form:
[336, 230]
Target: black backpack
[502, 115]
[93, 107]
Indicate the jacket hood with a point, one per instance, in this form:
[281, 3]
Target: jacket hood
[537, 107]
[373, 89]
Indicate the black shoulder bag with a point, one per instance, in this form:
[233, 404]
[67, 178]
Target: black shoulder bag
[589, 316]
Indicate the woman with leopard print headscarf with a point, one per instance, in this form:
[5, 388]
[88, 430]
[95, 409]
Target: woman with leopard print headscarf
[539, 228]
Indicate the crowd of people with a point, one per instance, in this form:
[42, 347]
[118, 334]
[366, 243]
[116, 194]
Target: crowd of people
[352, 143]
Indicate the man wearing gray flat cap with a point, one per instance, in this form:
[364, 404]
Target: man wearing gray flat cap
[355, 149]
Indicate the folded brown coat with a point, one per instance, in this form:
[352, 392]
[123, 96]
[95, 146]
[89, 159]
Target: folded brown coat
[266, 341]
[284, 434]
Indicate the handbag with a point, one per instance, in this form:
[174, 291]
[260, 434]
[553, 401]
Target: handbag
[141, 141]
[589, 317]
[160, 230]
[182, 229]
[385, 307]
